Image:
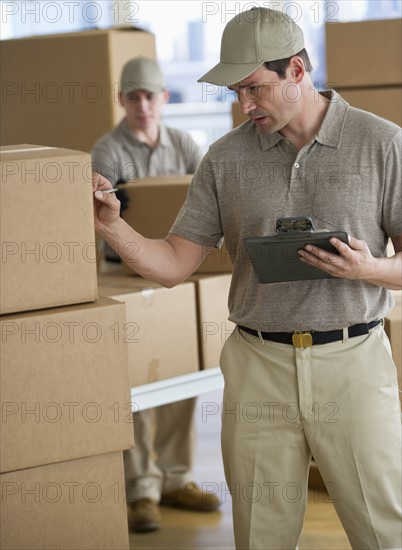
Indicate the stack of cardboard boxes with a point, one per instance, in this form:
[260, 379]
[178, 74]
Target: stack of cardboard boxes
[66, 412]
[364, 64]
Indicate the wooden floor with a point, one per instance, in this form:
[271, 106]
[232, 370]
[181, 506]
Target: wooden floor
[213, 531]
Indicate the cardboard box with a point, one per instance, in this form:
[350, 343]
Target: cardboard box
[69, 505]
[64, 385]
[48, 253]
[212, 313]
[62, 89]
[154, 203]
[393, 328]
[364, 53]
[384, 102]
[161, 330]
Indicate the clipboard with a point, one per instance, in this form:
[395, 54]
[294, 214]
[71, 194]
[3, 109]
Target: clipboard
[275, 258]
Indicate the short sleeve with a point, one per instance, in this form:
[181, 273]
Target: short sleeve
[199, 219]
[392, 203]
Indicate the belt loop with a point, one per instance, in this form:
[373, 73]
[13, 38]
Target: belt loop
[345, 336]
[260, 337]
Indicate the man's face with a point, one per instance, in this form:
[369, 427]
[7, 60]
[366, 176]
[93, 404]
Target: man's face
[267, 100]
[143, 108]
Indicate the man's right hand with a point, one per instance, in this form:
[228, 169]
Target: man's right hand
[106, 205]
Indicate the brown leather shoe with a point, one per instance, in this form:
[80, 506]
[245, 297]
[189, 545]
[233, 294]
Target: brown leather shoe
[143, 515]
[191, 497]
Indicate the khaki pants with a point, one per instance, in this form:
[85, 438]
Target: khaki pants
[161, 460]
[337, 402]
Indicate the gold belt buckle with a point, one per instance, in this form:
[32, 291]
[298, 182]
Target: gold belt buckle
[302, 339]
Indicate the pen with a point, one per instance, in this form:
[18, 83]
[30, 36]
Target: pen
[112, 190]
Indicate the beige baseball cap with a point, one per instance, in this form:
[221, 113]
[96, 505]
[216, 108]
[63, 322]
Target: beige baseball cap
[250, 39]
[141, 73]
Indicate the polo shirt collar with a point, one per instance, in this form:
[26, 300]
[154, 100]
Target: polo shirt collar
[163, 136]
[330, 132]
[130, 137]
[268, 141]
[125, 130]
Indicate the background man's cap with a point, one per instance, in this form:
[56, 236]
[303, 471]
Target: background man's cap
[251, 38]
[141, 73]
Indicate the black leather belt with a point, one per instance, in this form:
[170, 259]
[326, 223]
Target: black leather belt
[312, 338]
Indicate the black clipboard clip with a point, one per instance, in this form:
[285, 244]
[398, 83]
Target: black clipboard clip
[294, 225]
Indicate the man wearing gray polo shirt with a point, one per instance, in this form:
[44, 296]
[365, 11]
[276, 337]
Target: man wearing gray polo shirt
[308, 370]
[159, 468]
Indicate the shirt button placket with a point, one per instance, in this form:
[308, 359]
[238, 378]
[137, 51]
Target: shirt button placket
[295, 173]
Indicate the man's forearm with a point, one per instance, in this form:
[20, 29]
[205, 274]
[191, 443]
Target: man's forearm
[155, 259]
[388, 272]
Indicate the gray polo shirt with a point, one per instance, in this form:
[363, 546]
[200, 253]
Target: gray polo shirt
[347, 178]
[121, 157]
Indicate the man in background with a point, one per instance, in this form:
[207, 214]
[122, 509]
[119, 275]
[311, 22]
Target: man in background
[158, 469]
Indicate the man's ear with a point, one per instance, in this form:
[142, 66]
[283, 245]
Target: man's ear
[297, 68]
[121, 99]
[165, 95]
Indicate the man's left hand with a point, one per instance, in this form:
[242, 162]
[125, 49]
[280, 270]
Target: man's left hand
[355, 260]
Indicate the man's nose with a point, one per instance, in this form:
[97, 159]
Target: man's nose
[247, 104]
[143, 102]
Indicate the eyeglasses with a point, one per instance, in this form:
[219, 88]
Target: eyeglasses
[253, 92]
